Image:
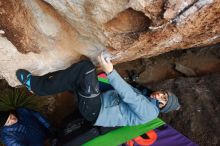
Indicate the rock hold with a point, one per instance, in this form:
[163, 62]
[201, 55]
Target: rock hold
[184, 70]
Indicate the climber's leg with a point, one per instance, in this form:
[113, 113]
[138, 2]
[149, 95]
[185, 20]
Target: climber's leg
[89, 101]
[63, 80]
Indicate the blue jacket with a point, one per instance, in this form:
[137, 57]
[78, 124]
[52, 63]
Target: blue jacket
[30, 130]
[125, 105]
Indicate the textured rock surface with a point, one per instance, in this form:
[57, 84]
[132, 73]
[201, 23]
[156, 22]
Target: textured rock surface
[201, 61]
[48, 35]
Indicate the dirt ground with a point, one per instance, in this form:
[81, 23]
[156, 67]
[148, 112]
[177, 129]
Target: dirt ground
[196, 81]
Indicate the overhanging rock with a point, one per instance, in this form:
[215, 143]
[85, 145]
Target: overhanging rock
[45, 36]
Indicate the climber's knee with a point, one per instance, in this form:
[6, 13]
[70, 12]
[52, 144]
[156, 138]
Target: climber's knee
[89, 66]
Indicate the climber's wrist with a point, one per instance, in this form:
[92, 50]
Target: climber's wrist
[109, 71]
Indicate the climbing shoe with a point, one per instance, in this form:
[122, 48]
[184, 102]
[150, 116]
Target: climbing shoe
[24, 77]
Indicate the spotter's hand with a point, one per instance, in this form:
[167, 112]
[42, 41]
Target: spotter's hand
[105, 64]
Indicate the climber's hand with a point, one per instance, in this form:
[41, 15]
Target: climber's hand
[105, 63]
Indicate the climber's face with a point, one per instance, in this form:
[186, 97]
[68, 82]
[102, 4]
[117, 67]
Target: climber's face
[12, 119]
[161, 96]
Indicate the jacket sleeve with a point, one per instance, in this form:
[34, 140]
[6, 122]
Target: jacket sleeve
[137, 103]
[10, 140]
[40, 118]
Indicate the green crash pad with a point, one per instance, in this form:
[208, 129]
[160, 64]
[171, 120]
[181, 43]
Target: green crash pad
[124, 134]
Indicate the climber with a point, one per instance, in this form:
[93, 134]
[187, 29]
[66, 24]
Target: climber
[22, 127]
[122, 106]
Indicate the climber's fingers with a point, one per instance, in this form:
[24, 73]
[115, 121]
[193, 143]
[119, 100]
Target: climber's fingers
[105, 63]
